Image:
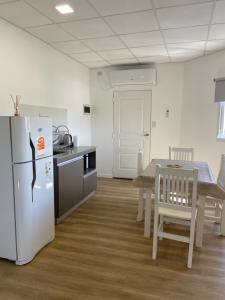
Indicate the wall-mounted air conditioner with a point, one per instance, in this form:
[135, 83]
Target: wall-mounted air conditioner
[132, 76]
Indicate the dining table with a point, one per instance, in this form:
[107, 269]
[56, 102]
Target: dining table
[207, 186]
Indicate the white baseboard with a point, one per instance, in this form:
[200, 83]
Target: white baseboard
[105, 175]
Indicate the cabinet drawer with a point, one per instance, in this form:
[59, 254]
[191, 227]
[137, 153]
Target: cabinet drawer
[90, 183]
[70, 189]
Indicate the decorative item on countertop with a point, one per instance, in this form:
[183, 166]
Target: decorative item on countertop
[16, 104]
[174, 166]
[75, 141]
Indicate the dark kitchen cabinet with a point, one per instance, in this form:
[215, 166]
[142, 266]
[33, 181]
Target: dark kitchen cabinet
[90, 182]
[75, 179]
[70, 184]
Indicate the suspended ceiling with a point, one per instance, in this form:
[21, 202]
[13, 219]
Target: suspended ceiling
[110, 32]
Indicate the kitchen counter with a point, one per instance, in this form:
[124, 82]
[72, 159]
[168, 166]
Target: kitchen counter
[73, 153]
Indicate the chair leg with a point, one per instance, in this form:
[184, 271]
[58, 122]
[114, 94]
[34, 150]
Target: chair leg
[200, 221]
[148, 214]
[141, 205]
[191, 244]
[222, 225]
[161, 221]
[155, 235]
[217, 211]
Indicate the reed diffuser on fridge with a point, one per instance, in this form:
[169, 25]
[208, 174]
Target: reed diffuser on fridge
[16, 103]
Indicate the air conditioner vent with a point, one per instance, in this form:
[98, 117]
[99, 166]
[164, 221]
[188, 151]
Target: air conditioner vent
[132, 76]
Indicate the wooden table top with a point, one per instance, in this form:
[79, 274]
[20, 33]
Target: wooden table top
[207, 184]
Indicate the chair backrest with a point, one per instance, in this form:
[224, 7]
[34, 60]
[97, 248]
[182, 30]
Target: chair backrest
[176, 153]
[139, 162]
[176, 188]
[221, 176]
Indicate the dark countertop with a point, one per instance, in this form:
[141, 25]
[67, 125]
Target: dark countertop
[72, 153]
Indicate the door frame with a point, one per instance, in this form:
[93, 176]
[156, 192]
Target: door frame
[113, 134]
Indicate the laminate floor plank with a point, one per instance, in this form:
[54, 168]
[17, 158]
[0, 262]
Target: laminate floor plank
[99, 253]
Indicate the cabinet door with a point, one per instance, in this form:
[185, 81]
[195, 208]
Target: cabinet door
[90, 183]
[70, 179]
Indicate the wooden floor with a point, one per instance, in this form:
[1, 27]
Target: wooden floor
[99, 253]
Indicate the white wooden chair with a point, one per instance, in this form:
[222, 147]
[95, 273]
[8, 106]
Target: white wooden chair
[216, 205]
[176, 202]
[176, 153]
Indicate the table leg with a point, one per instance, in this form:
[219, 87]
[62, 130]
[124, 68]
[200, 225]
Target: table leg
[200, 221]
[141, 205]
[222, 225]
[148, 213]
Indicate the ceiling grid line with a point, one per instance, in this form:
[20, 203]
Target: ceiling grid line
[106, 32]
[161, 32]
[74, 38]
[111, 29]
[209, 27]
[50, 44]
[118, 36]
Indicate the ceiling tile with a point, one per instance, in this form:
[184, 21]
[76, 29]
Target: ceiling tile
[173, 52]
[71, 47]
[181, 57]
[168, 3]
[88, 28]
[215, 45]
[123, 61]
[112, 7]
[219, 13]
[133, 23]
[107, 43]
[142, 39]
[149, 51]
[185, 35]
[82, 10]
[22, 15]
[96, 64]
[192, 46]
[87, 57]
[217, 32]
[116, 54]
[184, 16]
[50, 33]
[154, 59]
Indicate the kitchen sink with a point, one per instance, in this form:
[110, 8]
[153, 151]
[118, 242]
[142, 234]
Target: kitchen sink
[59, 151]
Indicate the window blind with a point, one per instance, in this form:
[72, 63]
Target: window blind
[220, 90]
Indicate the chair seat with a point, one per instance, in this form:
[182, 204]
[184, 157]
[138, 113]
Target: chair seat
[173, 213]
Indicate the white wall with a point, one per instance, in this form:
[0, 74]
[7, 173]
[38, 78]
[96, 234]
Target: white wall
[167, 94]
[43, 76]
[200, 113]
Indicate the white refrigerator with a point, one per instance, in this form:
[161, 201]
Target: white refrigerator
[26, 187]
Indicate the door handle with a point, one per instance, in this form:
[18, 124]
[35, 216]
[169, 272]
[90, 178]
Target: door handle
[33, 167]
[146, 134]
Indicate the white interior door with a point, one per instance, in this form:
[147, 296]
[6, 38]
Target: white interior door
[132, 112]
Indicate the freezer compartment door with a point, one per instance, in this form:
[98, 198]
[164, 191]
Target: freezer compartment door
[20, 135]
[41, 136]
[34, 208]
[31, 138]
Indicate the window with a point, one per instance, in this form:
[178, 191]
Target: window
[221, 129]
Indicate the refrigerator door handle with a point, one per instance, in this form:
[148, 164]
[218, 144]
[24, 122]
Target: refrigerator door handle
[33, 166]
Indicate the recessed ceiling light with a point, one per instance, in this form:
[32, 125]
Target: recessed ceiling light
[64, 9]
